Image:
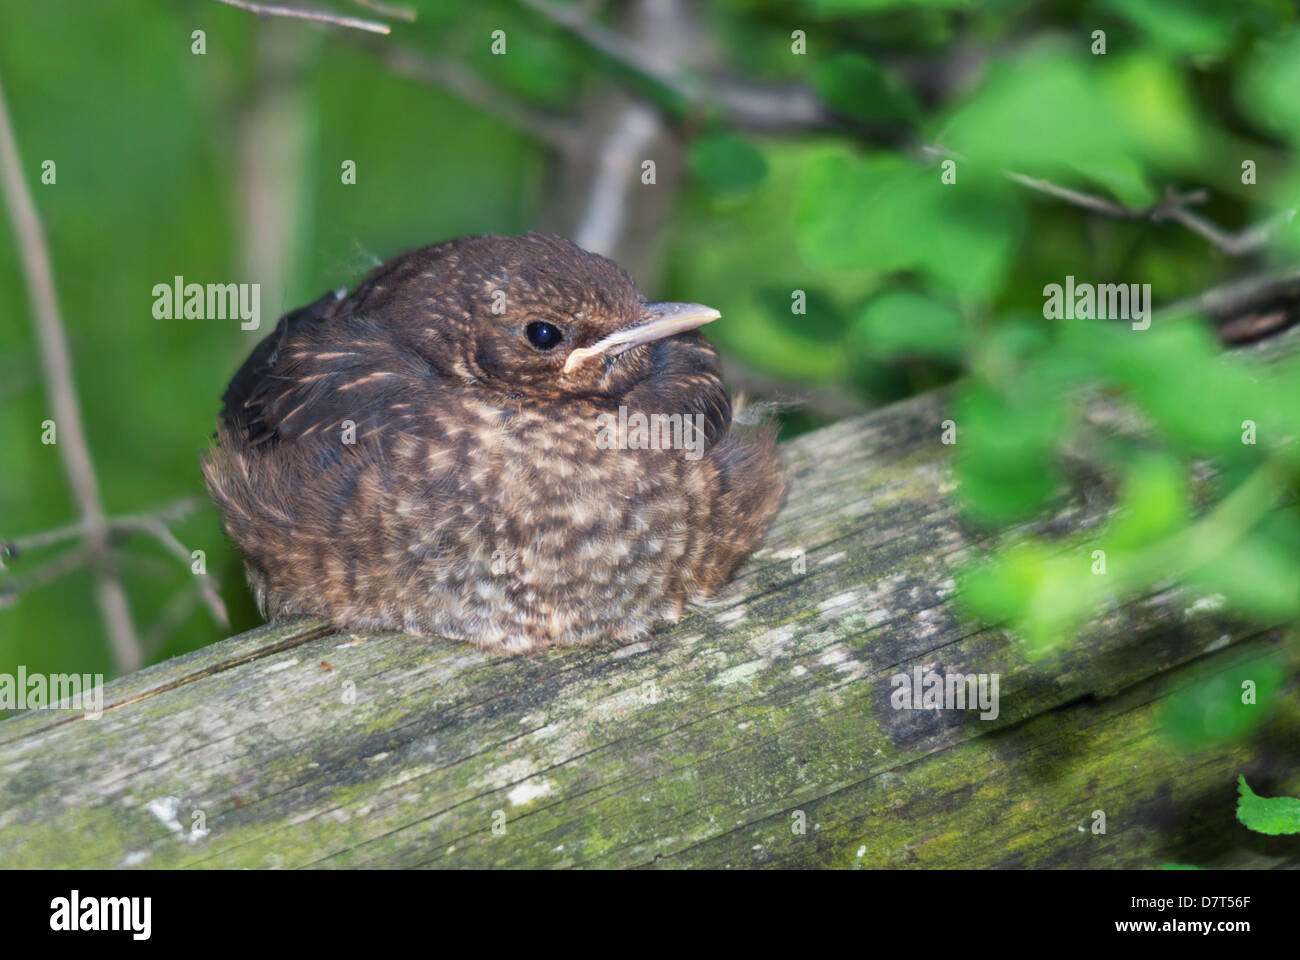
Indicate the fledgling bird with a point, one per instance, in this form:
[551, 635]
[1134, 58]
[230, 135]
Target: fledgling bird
[424, 454]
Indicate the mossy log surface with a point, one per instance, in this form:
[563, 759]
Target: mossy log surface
[706, 745]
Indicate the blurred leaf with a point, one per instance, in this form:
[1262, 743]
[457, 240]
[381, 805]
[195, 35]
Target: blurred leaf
[1175, 371]
[1153, 504]
[1269, 90]
[1042, 113]
[734, 251]
[848, 213]
[543, 69]
[726, 163]
[1124, 179]
[901, 323]
[980, 233]
[1005, 452]
[1273, 816]
[1285, 198]
[1149, 96]
[1210, 712]
[822, 319]
[882, 214]
[1040, 594]
[998, 590]
[840, 8]
[858, 86]
[1185, 26]
[1258, 576]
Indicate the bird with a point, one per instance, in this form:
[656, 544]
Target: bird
[456, 449]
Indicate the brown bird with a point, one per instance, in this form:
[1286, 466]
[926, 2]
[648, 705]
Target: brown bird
[458, 449]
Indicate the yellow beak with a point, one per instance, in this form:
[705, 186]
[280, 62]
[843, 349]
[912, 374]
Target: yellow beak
[660, 320]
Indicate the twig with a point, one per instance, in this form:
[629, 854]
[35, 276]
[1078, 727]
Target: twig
[207, 586]
[1242, 295]
[746, 105]
[152, 524]
[56, 364]
[1233, 244]
[125, 524]
[1173, 207]
[317, 16]
[468, 86]
[605, 216]
[1247, 309]
[57, 568]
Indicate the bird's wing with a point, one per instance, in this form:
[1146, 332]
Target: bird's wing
[319, 368]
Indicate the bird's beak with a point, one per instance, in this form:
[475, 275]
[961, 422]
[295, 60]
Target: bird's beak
[659, 320]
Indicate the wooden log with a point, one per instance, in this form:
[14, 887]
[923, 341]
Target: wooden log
[707, 745]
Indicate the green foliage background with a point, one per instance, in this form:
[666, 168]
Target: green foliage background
[910, 282]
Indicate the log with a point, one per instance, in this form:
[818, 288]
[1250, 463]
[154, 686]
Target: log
[757, 732]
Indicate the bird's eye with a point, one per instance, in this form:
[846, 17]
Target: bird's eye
[543, 335]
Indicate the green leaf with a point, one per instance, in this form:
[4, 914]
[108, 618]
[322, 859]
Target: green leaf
[1042, 113]
[1005, 452]
[726, 163]
[1154, 503]
[1184, 26]
[1269, 86]
[1258, 576]
[858, 86]
[881, 214]
[1273, 816]
[902, 323]
[1125, 180]
[1041, 595]
[1211, 712]
[1285, 198]
[1198, 397]
[843, 8]
[822, 319]
[998, 589]
[1149, 97]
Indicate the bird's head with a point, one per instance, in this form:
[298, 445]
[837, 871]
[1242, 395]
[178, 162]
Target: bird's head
[532, 315]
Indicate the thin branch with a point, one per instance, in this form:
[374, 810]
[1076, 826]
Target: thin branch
[29, 236]
[1085, 200]
[207, 586]
[152, 524]
[316, 16]
[1248, 309]
[1173, 207]
[59, 567]
[170, 513]
[466, 85]
[1233, 244]
[604, 218]
[1241, 296]
[746, 105]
